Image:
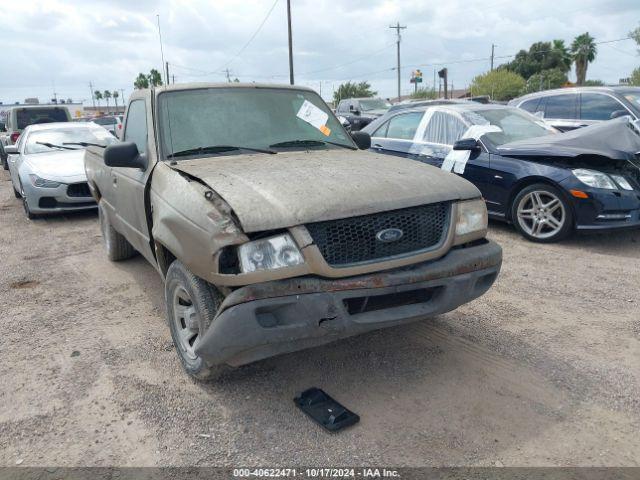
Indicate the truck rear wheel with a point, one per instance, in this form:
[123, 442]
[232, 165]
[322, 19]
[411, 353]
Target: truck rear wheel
[118, 248]
[192, 304]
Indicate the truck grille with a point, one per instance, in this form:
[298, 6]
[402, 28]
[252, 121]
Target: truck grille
[353, 240]
[78, 190]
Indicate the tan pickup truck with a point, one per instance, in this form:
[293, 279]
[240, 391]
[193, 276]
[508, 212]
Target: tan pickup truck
[274, 229]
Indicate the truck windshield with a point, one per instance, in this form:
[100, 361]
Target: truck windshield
[249, 118]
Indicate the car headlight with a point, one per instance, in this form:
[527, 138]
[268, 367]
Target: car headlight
[595, 179]
[622, 182]
[269, 254]
[472, 220]
[43, 182]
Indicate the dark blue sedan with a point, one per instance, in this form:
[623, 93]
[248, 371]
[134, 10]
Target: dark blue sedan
[546, 183]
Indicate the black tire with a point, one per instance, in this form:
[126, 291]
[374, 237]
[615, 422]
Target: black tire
[27, 210]
[551, 218]
[118, 248]
[184, 292]
[4, 157]
[16, 193]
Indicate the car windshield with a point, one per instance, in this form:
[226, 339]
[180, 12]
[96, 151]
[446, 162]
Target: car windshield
[254, 118]
[515, 124]
[374, 104]
[62, 135]
[31, 116]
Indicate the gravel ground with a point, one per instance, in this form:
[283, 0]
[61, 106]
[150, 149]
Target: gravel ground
[542, 370]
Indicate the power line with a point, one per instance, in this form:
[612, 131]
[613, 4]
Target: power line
[252, 36]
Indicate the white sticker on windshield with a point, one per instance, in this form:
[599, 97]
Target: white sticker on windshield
[314, 116]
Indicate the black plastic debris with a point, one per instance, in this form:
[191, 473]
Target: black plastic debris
[325, 410]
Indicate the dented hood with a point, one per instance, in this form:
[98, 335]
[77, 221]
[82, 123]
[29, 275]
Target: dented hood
[267, 192]
[615, 139]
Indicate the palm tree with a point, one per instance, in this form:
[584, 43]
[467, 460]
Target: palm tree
[142, 81]
[155, 79]
[107, 96]
[98, 95]
[584, 51]
[563, 54]
[115, 98]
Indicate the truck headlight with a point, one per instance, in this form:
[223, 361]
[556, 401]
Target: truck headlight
[472, 221]
[42, 182]
[595, 179]
[269, 254]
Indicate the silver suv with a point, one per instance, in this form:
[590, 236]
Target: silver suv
[571, 108]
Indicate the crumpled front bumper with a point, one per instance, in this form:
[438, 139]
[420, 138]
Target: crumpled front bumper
[267, 319]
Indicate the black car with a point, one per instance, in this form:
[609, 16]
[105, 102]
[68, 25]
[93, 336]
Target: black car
[571, 108]
[360, 112]
[544, 182]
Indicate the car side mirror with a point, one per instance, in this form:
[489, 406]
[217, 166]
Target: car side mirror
[618, 114]
[11, 149]
[362, 140]
[466, 144]
[124, 155]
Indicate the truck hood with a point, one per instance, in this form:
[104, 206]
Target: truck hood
[614, 139]
[268, 192]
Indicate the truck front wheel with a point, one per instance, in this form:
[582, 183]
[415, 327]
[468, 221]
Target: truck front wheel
[192, 304]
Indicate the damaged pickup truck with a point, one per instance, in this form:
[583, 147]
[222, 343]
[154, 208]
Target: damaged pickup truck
[273, 230]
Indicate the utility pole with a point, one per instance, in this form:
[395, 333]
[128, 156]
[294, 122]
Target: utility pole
[166, 67]
[228, 74]
[173, 78]
[397, 27]
[93, 99]
[162, 51]
[290, 42]
[492, 54]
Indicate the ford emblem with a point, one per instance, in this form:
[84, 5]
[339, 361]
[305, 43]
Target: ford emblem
[389, 235]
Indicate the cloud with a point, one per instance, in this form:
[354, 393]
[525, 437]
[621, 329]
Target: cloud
[65, 44]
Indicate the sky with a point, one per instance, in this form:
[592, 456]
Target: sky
[62, 46]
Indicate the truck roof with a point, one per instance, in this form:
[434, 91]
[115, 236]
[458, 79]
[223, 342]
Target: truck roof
[203, 85]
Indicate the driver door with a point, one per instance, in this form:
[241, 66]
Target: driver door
[128, 184]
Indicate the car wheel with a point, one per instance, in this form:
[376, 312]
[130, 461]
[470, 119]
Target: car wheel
[5, 163]
[192, 304]
[25, 204]
[541, 213]
[16, 193]
[118, 248]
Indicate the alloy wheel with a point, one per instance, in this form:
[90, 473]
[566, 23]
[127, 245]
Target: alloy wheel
[541, 214]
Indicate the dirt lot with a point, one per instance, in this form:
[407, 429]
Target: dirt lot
[543, 370]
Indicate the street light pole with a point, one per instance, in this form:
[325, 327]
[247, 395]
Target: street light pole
[290, 42]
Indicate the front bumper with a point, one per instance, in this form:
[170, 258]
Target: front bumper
[267, 319]
[56, 200]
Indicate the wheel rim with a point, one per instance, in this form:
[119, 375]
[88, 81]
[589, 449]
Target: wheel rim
[186, 322]
[541, 214]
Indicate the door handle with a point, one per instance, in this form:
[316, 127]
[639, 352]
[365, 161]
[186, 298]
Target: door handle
[377, 145]
[114, 179]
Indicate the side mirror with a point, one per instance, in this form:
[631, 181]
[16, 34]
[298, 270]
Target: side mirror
[618, 114]
[124, 155]
[11, 149]
[362, 140]
[466, 144]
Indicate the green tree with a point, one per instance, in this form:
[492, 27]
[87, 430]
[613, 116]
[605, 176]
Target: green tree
[424, 94]
[552, 78]
[584, 52]
[98, 96]
[540, 56]
[353, 90]
[115, 98]
[499, 85]
[155, 79]
[634, 79]
[142, 81]
[635, 34]
[107, 95]
[594, 83]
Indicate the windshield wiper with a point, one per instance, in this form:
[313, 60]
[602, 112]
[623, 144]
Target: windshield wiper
[85, 144]
[53, 145]
[309, 143]
[215, 149]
